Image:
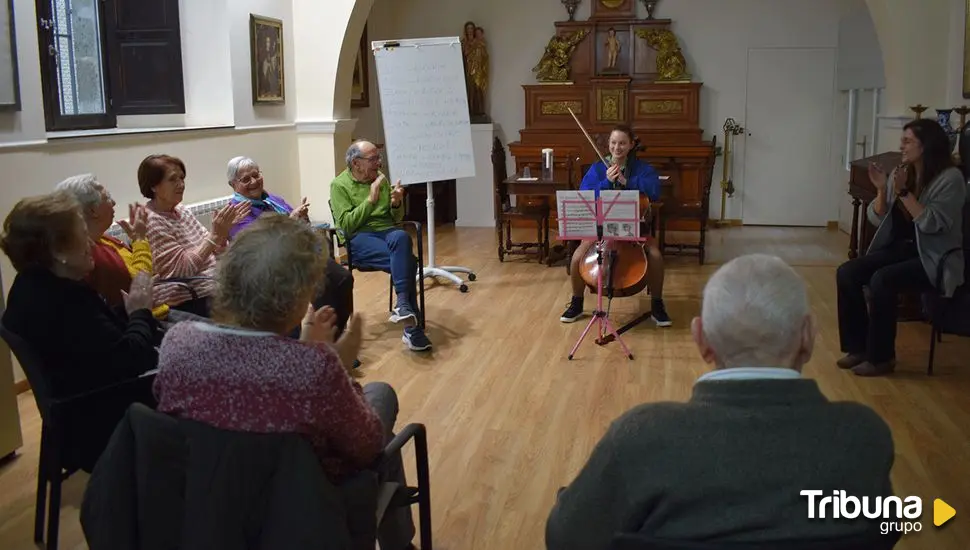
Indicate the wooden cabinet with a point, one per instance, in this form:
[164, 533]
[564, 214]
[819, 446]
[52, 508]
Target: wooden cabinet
[664, 115]
[445, 203]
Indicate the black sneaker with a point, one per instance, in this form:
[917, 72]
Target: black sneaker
[415, 339]
[402, 312]
[574, 311]
[659, 313]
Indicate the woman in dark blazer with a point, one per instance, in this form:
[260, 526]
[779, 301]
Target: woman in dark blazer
[84, 344]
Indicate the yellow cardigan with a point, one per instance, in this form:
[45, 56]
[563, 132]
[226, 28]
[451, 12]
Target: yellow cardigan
[139, 258]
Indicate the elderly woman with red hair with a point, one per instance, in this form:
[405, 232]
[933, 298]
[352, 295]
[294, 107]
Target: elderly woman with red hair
[184, 250]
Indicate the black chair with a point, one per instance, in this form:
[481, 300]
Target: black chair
[875, 541]
[54, 465]
[950, 315]
[338, 236]
[187, 466]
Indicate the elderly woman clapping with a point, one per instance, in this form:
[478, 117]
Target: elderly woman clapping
[183, 248]
[83, 343]
[115, 262]
[246, 180]
[245, 373]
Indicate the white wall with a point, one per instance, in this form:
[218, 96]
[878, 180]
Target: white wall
[216, 53]
[715, 36]
[246, 114]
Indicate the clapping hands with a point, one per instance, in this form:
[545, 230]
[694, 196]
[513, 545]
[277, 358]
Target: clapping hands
[302, 211]
[136, 226]
[321, 326]
[397, 194]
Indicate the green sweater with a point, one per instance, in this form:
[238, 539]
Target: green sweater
[353, 213]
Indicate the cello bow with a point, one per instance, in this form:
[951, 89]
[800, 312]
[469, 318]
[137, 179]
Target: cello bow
[585, 133]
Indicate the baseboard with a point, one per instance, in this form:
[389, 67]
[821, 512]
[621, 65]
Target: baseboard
[832, 226]
[21, 386]
[726, 222]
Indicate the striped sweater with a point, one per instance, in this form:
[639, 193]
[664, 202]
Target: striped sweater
[174, 238]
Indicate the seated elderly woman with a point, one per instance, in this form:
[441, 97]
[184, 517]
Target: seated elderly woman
[243, 372]
[246, 180]
[115, 262]
[182, 247]
[84, 344]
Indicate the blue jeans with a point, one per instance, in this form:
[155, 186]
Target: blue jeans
[389, 250]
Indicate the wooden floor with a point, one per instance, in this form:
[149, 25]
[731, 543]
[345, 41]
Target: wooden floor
[510, 419]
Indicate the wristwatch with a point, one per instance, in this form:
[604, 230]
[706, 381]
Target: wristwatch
[903, 192]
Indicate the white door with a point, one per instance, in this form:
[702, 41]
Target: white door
[788, 115]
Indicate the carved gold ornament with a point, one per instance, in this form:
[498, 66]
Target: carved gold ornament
[560, 107]
[671, 65]
[659, 107]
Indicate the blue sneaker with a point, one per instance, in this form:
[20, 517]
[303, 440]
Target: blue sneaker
[402, 312]
[415, 339]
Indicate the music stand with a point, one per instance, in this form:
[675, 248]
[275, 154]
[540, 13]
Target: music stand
[581, 217]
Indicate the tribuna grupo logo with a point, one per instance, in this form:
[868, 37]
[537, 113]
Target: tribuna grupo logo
[899, 513]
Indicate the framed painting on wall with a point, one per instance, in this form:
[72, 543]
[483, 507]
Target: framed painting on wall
[9, 79]
[360, 86]
[266, 45]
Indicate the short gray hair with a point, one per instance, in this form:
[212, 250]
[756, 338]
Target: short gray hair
[353, 153]
[753, 312]
[85, 189]
[274, 267]
[236, 164]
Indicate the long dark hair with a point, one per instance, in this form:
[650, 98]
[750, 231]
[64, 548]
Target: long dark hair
[936, 152]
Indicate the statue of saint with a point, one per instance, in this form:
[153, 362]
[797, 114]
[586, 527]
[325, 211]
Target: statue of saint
[474, 49]
[612, 48]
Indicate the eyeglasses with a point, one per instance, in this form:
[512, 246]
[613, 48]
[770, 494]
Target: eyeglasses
[249, 179]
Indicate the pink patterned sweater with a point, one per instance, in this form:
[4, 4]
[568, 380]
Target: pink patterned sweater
[245, 380]
[174, 237]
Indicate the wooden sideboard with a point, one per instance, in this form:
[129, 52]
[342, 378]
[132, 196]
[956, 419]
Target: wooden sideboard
[664, 115]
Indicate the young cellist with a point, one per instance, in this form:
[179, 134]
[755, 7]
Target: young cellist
[623, 172]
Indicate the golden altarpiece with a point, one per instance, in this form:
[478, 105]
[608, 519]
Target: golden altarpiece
[616, 68]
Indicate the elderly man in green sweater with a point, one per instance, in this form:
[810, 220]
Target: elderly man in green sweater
[368, 210]
[739, 461]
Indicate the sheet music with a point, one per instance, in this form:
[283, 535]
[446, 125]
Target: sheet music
[577, 214]
[620, 211]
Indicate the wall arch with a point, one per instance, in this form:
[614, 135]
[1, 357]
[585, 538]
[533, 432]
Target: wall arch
[348, 55]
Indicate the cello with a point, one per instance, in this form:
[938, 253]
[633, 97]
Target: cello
[625, 264]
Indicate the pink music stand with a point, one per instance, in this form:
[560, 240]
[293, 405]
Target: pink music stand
[599, 210]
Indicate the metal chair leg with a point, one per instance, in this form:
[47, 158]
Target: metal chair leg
[40, 509]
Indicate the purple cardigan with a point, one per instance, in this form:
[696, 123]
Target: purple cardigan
[257, 209]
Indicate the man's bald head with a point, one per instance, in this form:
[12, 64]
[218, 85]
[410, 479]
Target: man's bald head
[363, 160]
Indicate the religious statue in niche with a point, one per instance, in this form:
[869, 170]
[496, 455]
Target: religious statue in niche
[554, 65]
[612, 48]
[671, 65]
[474, 50]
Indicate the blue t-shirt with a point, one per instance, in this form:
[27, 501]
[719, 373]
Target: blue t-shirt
[640, 176]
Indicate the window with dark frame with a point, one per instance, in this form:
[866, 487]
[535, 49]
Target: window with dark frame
[103, 58]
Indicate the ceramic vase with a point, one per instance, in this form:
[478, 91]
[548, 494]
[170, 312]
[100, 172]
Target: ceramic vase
[943, 117]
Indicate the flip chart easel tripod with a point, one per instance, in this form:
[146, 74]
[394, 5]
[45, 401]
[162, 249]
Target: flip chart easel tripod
[606, 331]
[446, 271]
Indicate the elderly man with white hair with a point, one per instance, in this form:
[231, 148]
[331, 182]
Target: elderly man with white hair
[734, 463]
[368, 210]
